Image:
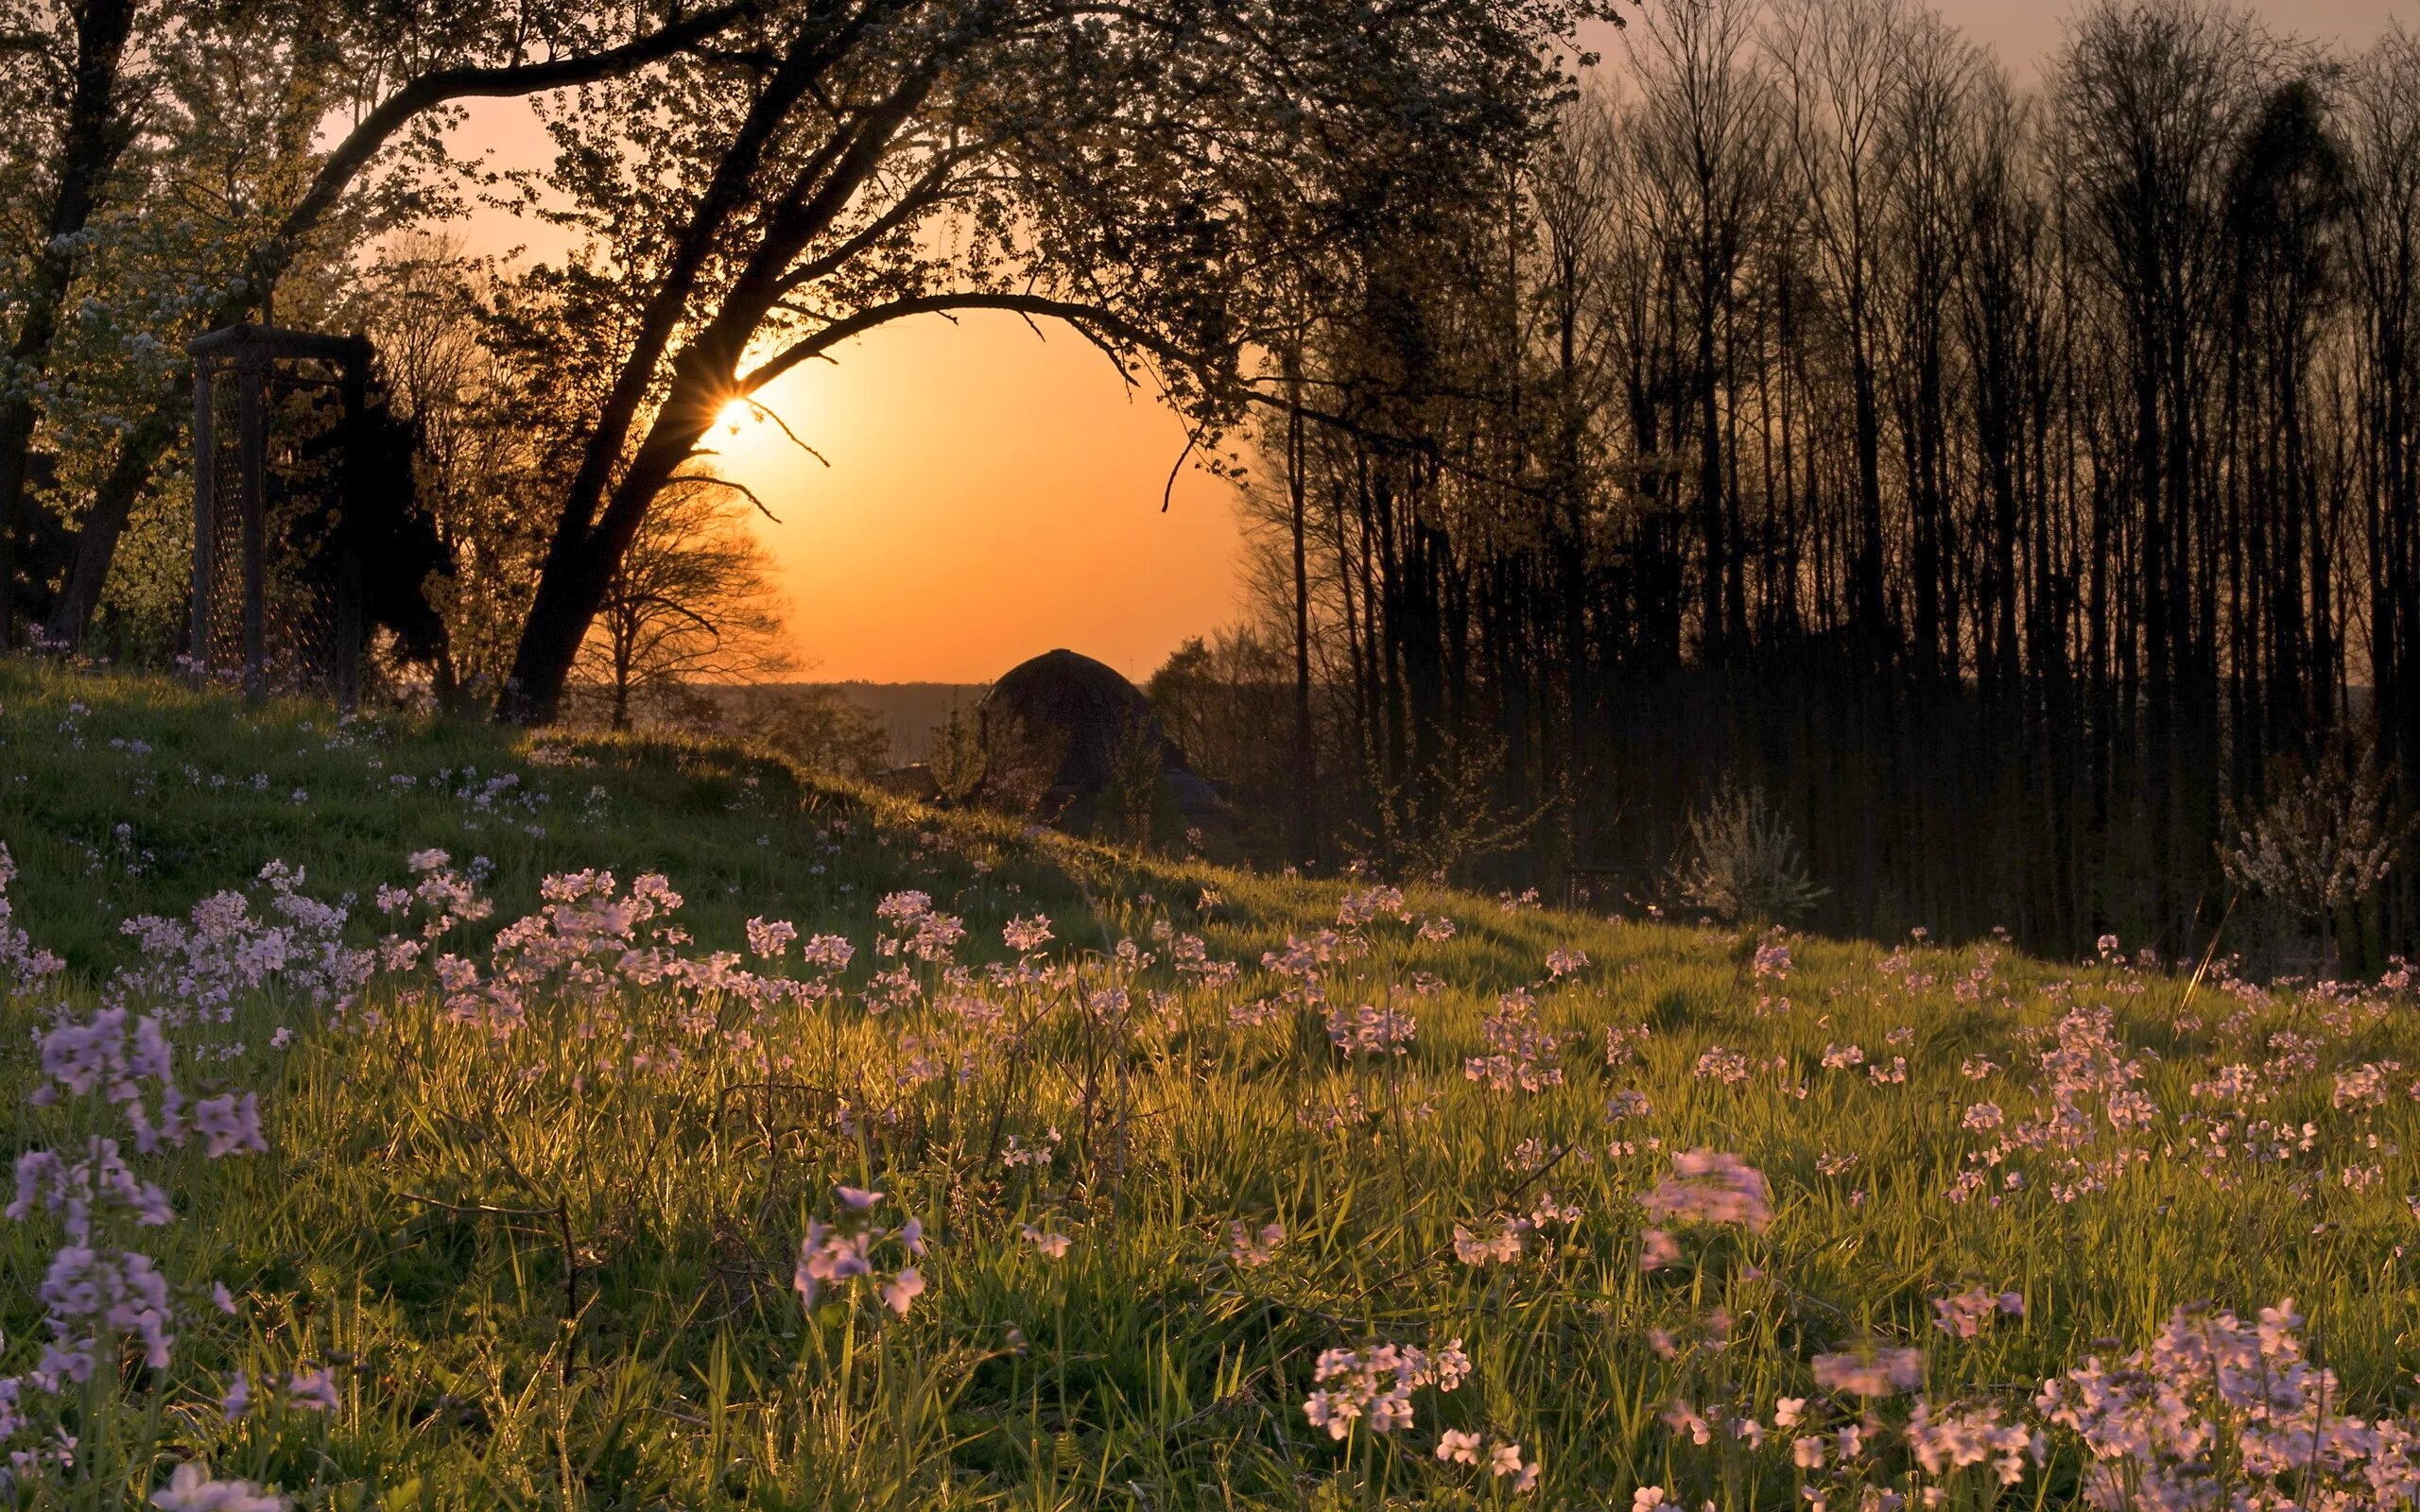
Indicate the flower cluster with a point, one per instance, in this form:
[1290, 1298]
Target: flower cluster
[2211, 1391]
[1963, 1314]
[1375, 1382]
[1522, 1051]
[1371, 1031]
[845, 1252]
[1706, 1186]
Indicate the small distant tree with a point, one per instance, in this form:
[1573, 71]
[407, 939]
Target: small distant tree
[1219, 699]
[1002, 765]
[956, 760]
[1742, 863]
[816, 726]
[1131, 800]
[2320, 846]
[690, 606]
[1443, 826]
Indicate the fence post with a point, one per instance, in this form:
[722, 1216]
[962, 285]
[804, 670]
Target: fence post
[205, 505]
[251, 440]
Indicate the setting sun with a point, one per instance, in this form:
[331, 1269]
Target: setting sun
[735, 414]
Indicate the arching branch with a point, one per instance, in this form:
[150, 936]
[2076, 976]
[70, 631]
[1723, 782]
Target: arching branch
[445, 85]
[740, 488]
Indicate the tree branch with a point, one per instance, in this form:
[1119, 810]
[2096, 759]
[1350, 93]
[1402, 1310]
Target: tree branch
[740, 488]
[445, 85]
[1094, 323]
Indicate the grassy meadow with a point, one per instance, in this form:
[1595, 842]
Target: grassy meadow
[1232, 1191]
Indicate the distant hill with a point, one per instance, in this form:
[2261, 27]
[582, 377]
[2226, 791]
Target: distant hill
[911, 710]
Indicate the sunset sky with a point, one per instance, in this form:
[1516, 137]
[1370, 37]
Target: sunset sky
[993, 494]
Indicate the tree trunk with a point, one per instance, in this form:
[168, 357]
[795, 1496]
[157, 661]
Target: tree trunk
[89, 148]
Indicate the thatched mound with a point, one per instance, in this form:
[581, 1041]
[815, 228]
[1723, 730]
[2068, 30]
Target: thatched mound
[1067, 738]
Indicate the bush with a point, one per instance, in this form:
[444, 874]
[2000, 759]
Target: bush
[1742, 863]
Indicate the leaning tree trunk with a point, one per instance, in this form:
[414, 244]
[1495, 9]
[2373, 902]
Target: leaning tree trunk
[582, 561]
[105, 518]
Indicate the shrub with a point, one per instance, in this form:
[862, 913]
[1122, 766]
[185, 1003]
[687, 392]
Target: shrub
[1742, 863]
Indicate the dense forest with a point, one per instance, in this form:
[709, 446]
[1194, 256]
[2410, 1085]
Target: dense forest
[2008, 491]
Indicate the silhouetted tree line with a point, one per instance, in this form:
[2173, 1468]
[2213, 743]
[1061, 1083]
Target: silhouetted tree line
[2016, 485]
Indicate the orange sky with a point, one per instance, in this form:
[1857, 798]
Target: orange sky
[992, 495]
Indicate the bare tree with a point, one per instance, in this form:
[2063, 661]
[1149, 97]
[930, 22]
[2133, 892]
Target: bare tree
[691, 606]
[1842, 65]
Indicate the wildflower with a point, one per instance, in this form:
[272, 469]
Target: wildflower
[1683, 1419]
[1522, 1048]
[1458, 1448]
[1874, 1371]
[1377, 1382]
[1503, 1248]
[1709, 1186]
[770, 939]
[1052, 1245]
[1657, 1251]
[902, 1290]
[1506, 1460]
[1647, 1498]
[312, 1390]
[827, 953]
[1249, 1251]
[845, 1253]
[1723, 1065]
[1562, 963]
[229, 1125]
[1787, 1411]
[190, 1489]
[1367, 904]
[1951, 1439]
[1371, 1030]
[238, 1400]
[1963, 1314]
[1025, 936]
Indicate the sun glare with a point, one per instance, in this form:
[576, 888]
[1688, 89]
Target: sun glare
[737, 413]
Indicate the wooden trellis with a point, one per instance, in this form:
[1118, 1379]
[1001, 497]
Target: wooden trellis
[241, 621]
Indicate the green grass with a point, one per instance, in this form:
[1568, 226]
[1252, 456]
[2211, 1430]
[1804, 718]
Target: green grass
[547, 1275]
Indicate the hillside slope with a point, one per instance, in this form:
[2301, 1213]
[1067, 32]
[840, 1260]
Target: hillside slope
[491, 1180]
